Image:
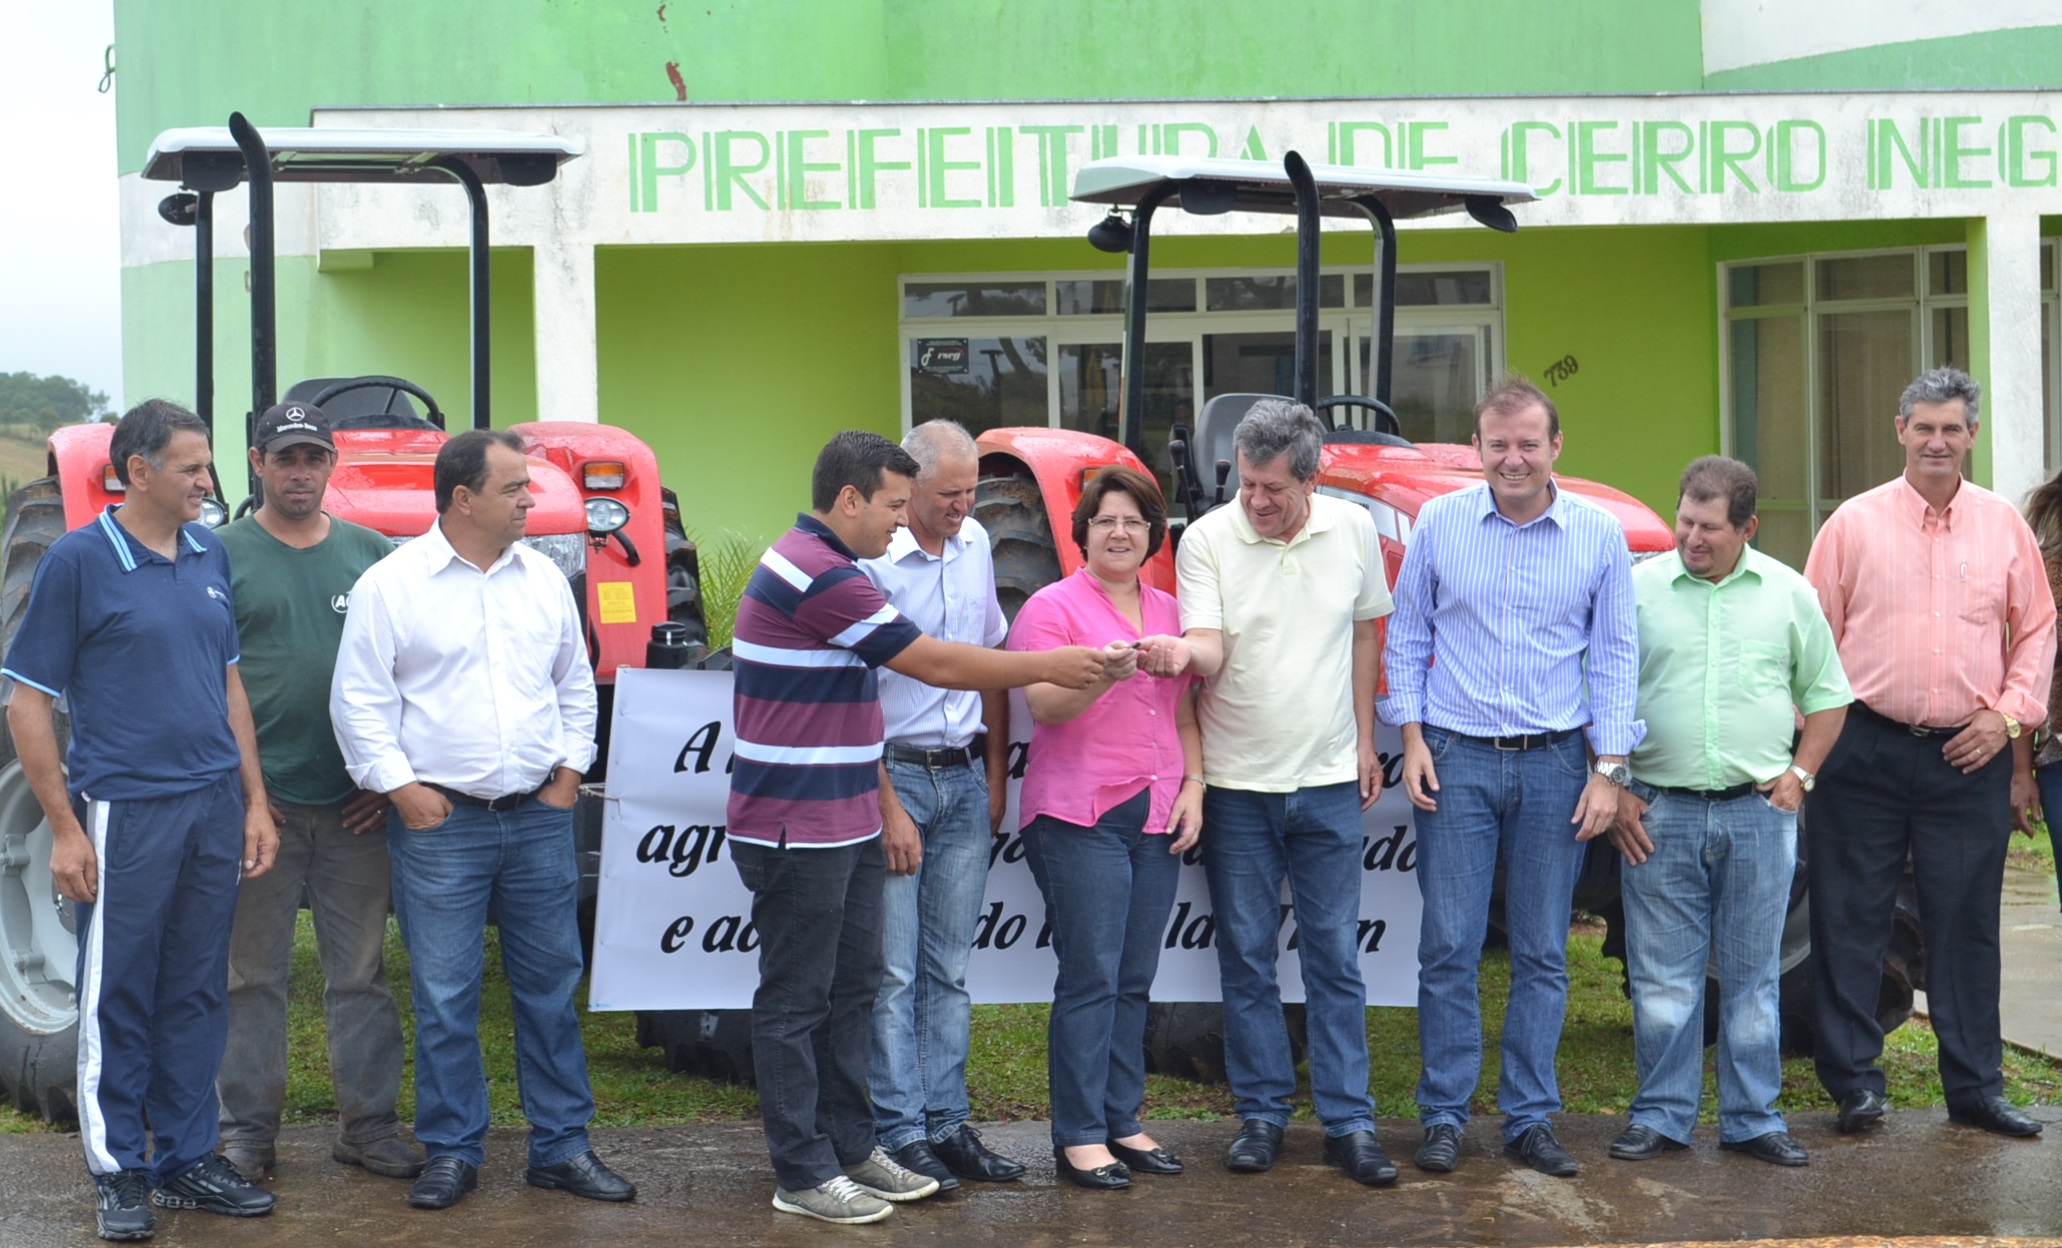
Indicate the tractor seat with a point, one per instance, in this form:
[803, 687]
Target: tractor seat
[373, 407]
[1213, 439]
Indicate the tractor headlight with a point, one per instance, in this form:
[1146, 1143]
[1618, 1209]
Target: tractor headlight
[212, 513]
[605, 516]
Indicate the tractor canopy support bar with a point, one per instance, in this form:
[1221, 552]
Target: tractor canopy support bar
[1131, 409]
[264, 307]
[204, 309]
[1382, 348]
[1309, 235]
[481, 272]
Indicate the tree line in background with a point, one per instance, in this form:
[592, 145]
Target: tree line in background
[44, 403]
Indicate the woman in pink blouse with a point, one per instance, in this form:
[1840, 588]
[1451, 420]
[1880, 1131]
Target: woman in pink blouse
[1113, 794]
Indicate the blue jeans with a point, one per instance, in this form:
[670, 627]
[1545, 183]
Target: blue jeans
[519, 863]
[1714, 892]
[818, 915]
[1250, 841]
[1518, 803]
[2050, 781]
[921, 1019]
[1108, 890]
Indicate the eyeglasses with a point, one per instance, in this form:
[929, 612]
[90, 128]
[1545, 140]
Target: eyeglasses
[1130, 524]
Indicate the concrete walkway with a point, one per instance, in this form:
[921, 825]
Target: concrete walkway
[1918, 1176]
[2030, 1003]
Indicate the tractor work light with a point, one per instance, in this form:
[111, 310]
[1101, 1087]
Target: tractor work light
[603, 474]
[213, 513]
[110, 481]
[1111, 234]
[605, 516]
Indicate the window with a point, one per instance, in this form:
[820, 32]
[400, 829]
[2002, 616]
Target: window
[1818, 350]
[990, 350]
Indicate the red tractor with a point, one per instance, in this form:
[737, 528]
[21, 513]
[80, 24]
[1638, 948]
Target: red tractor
[1032, 477]
[601, 514]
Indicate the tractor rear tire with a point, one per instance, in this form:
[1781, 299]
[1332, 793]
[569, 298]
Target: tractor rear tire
[39, 1013]
[1027, 557]
[1186, 1038]
[713, 1043]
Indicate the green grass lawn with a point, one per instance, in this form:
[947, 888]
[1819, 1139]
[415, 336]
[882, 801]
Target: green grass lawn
[1006, 1070]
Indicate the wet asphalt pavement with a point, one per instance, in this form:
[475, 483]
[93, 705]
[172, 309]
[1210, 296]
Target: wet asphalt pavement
[1918, 1178]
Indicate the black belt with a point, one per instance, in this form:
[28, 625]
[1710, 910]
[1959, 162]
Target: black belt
[1711, 795]
[508, 801]
[1524, 741]
[1917, 730]
[936, 760]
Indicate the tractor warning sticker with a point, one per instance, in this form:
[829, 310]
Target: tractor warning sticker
[618, 602]
[941, 356]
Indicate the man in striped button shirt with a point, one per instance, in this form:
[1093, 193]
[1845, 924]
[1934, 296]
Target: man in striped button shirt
[1510, 596]
[805, 818]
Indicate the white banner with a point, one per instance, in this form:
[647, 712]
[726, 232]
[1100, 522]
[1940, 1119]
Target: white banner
[673, 929]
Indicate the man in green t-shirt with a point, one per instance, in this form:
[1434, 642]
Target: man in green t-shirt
[292, 567]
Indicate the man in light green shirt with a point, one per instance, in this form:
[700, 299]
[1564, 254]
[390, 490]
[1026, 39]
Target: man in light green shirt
[1733, 647]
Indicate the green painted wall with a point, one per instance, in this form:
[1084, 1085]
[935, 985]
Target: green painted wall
[1992, 60]
[190, 62]
[404, 316]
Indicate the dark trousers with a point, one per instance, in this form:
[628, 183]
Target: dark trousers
[818, 916]
[1881, 794]
[154, 976]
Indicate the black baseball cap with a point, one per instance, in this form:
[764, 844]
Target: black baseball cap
[293, 424]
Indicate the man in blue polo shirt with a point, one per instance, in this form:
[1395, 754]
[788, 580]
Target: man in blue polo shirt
[163, 806]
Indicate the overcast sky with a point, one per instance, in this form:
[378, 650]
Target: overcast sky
[60, 240]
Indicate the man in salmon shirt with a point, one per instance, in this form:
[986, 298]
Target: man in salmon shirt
[1940, 607]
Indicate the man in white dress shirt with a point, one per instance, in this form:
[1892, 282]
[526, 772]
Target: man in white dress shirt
[940, 804]
[463, 692]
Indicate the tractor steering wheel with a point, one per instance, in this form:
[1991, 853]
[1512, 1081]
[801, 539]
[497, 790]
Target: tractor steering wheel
[1385, 416]
[436, 414]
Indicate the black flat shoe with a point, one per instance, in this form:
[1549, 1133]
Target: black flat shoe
[1441, 1151]
[1361, 1157]
[1996, 1114]
[1776, 1148]
[917, 1156]
[1640, 1142]
[1254, 1148]
[1154, 1160]
[1860, 1110]
[584, 1176]
[1537, 1147]
[966, 1156]
[1110, 1178]
[444, 1181]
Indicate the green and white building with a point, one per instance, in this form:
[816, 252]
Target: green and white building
[1755, 222]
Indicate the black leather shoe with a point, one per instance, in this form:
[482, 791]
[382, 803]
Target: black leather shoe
[917, 1156]
[444, 1182]
[1996, 1114]
[1154, 1160]
[1776, 1148]
[1538, 1148]
[212, 1184]
[585, 1176]
[1860, 1110]
[1254, 1148]
[1640, 1142]
[966, 1156]
[1360, 1155]
[1108, 1178]
[1441, 1151]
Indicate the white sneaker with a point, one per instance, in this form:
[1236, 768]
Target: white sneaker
[883, 1176]
[839, 1200]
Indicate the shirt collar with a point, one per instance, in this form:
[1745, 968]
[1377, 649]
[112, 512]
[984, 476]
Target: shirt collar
[1556, 511]
[1750, 564]
[125, 546]
[441, 554]
[822, 532]
[904, 544]
[1317, 522]
[1918, 508]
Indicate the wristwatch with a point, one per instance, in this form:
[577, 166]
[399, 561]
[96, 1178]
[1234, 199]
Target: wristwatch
[2012, 728]
[1617, 773]
[1804, 777]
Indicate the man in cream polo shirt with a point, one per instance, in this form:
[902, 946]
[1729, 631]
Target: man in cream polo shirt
[1279, 598]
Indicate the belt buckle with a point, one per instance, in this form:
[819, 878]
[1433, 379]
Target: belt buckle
[1517, 748]
[1918, 731]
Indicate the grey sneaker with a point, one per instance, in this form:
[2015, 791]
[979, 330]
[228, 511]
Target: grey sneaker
[390, 1157]
[839, 1200]
[252, 1160]
[883, 1176]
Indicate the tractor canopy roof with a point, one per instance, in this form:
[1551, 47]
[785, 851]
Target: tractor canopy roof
[207, 157]
[1209, 185]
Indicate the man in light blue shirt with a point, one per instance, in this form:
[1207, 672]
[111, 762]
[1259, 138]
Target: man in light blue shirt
[1514, 637]
[940, 803]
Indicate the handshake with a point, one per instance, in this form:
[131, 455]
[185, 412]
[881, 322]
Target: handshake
[1083, 667]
